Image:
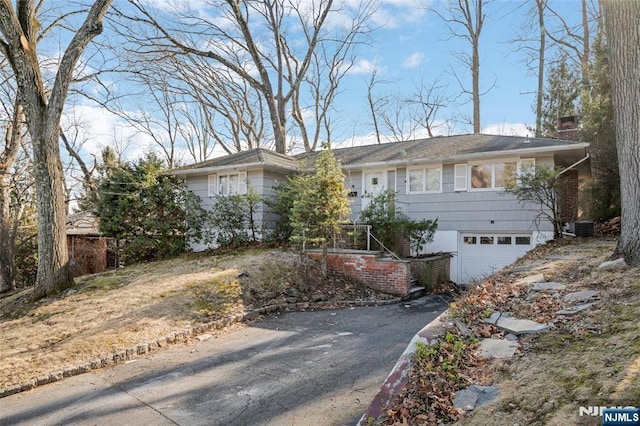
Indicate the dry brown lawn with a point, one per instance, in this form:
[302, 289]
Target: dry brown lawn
[106, 313]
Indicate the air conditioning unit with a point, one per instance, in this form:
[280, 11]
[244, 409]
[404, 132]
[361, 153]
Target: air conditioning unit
[582, 228]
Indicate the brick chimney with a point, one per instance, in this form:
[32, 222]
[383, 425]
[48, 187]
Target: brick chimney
[568, 128]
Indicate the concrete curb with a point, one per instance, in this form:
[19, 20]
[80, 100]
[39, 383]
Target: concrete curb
[399, 375]
[182, 335]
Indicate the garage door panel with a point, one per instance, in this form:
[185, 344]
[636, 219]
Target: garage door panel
[483, 254]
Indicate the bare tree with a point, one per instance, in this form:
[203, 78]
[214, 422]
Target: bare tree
[232, 111]
[575, 39]
[465, 19]
[43, 111]
[196, 131]
[329, 64]
[403, 116]
[540, 6]
[9, 218]
[155, 115]
[623, 39]
[374, 104]
[77, 169]
[250, 40]
[428, 100]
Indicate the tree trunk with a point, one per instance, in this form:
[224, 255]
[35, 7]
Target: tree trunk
[475, 73]
[623, 39]
[53, 274]
[475, 21]
[541, 58]
[324, 268]
[7, 262]
[43, 109]
[8, 224]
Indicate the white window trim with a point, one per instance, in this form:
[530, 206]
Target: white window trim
[243, 182]
[492, 162]
[520, 165]
[213, 183]
[478, 236]
[424, 168]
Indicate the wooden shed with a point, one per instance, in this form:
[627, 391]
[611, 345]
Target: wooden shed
[87, 246]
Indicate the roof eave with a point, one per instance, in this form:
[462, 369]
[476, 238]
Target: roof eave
[466, 157]
[227, 167]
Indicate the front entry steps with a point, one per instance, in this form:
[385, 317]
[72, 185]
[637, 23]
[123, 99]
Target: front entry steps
[415, 292]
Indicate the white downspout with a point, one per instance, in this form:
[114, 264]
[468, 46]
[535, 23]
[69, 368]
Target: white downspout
[574, 165]
[577, 163]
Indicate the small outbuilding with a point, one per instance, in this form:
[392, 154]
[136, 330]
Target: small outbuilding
[88, 248]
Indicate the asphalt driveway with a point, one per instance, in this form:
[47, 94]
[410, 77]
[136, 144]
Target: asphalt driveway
[304, 368]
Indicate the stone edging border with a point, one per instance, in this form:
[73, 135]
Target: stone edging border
[182, 335]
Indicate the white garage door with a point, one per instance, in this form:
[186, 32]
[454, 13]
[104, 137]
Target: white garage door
[483, 254]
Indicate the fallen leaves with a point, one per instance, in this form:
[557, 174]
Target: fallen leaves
[434, 380]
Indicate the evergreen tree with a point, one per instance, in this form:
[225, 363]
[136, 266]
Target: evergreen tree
[598, 129]
[321, 205]
[562, 94]
[148, 209]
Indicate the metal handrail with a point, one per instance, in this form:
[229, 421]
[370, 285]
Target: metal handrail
[385, 247]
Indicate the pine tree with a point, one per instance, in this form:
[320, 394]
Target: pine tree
[598, 129]
[321, 206]
[561, 96]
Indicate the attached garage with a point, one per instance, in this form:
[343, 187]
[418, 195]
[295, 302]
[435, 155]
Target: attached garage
[483, 254]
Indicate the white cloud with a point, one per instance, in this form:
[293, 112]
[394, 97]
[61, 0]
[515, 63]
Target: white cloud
[508, 129]
[365, 66]
[394, 13]
[413, 61]
[99, 128]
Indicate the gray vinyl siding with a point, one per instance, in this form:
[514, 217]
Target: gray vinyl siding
[199, 186]
[262, 181]
[465, 210]
[270, 180]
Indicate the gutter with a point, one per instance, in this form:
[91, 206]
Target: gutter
[577, 163]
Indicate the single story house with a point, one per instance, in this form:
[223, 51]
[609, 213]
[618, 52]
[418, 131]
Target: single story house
[457, 179]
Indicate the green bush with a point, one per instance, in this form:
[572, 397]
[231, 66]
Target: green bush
[390, 225]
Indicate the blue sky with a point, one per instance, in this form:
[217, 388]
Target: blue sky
[412, 43]
[423, 45]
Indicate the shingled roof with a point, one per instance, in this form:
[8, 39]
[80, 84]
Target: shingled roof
[445, 148]
[442, 148]
[255, 157]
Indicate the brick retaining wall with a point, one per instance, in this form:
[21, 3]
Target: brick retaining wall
[386, 275]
